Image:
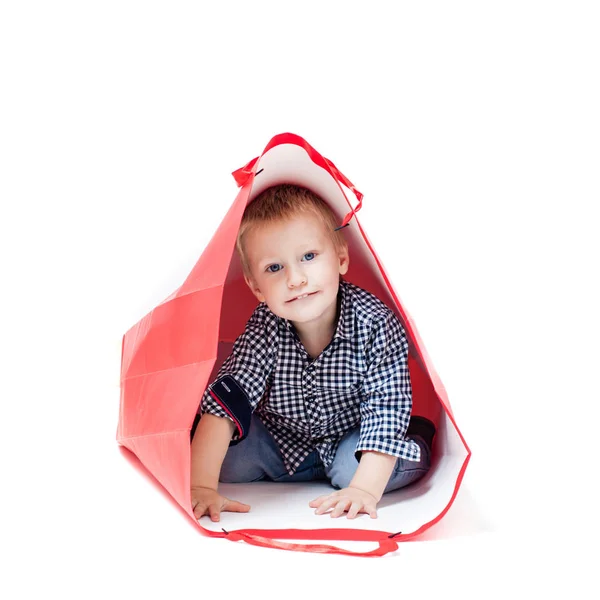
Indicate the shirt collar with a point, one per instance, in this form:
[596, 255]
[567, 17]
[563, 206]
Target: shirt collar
[345, 324]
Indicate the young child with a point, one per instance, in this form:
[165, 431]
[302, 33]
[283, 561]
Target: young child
[317, 386]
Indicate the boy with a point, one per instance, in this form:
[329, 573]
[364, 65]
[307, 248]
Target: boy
[317, 386]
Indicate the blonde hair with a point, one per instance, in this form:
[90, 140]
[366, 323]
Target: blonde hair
[283, 202]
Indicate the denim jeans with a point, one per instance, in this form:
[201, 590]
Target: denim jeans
[257, 458]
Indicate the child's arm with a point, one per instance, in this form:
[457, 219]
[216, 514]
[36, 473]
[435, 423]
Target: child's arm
[209, 447]
[245, 371]
[373, 473]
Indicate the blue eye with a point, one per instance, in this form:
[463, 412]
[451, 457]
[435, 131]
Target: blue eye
[309, 254]
[271, 270]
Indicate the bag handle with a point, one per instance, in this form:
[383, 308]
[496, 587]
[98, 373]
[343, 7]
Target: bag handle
[243, 174]
[385, 545]
[343, 179]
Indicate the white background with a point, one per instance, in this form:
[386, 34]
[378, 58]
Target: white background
[473, 130]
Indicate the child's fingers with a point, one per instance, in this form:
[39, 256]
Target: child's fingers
[340, 508]
[199, 510]
[317, 501]
[326, 504]
[214, 512]
[354, 510]
[235, 506]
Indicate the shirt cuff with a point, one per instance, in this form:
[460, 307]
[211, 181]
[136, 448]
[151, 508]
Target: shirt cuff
[226, 399]
[407, 449]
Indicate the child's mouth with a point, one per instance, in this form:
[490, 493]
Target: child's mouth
[302, 297]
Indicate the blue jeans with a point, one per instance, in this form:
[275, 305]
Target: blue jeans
[257, 458]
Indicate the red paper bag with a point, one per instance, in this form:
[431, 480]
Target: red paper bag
[174, 353]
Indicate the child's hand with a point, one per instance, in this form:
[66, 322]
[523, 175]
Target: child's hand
[349, 499]
[206, 501]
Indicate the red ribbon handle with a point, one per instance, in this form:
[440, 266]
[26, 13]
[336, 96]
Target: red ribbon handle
[343, 179]
[385, 546]
[243, 174]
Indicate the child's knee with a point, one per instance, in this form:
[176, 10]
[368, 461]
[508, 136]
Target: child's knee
[237, 470]
[342, 470]
[344, 465]
[341, 480]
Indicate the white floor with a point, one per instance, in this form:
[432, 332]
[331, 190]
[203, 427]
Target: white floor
[472, 129]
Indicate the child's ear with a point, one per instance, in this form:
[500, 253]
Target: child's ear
[254, 288]
[344, 257]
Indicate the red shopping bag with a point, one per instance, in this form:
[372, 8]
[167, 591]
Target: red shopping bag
[174, 352]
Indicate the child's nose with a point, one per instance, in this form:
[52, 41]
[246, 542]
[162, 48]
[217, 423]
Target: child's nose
[296, 277]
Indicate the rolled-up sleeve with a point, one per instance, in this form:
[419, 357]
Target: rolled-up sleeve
[242, 379]
[387, 394]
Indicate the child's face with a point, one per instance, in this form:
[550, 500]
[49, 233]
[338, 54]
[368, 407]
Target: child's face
[291, 258]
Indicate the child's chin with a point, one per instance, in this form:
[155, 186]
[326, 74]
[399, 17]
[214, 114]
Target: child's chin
[303, 315]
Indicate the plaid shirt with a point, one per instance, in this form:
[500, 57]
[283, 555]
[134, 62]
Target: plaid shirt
[361, 378]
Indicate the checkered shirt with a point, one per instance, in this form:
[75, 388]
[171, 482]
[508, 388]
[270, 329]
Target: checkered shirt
[361, 378]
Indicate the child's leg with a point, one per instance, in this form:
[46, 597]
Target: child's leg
[344, 465]
[258, 458]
